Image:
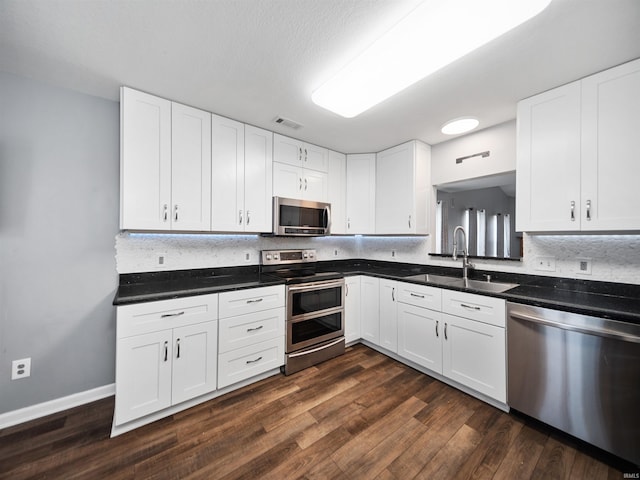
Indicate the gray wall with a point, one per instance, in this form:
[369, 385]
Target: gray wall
[59, 174]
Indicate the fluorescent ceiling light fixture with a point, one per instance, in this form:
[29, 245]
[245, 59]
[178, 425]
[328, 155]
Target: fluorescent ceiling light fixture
[433, 35]
[459, 125]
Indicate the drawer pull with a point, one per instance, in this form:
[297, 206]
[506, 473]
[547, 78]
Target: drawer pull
[416, 295]
[178, 348]
[445, 331]
[255, 328]
[165, 315]
[437, 323]
[166, 351]
[257, 300]
[472, 307]
[254, 361]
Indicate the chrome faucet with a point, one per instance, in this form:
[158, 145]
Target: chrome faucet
[465, 261]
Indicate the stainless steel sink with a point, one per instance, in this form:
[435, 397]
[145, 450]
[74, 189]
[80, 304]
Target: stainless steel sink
[496, 287]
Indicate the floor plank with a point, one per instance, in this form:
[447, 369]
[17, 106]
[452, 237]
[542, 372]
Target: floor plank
[358, 416]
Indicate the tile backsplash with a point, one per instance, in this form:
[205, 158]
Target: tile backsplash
[614, 258]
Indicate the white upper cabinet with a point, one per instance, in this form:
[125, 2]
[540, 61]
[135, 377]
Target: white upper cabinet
[610, 146]
[241, 177]
[190, 168]
[337, 191]
[299, 169]
[145, 161]
[361, 193]
[403, 189]
[548, 161]
[577, 144]
[300, 154]
[165, 164]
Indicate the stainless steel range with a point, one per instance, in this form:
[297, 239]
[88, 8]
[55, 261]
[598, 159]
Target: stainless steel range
[315, 307]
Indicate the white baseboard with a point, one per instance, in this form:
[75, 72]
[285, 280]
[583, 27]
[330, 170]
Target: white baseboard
[32, 412]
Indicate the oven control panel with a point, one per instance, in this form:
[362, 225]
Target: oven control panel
[283, 257]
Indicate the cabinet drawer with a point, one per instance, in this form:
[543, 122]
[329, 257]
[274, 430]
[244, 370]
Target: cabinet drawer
[244, 330]
[149, 317]
[240, 302]
[420, 296]
[476, 307]
[243, 363]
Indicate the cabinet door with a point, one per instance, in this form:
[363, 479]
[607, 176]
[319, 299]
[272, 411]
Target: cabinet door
[548, 161]
[314, 185]
[388, 314]
[337, 191]
[227, 175]
[287, 181]
[288, 150]
[420, 334]
[369, 309]
[315, 158]
[610, 145]
[190, 168]
[474, 355]
[143, 375]
[395, 194]
[195, 357]
[352, 309]
[361, 193]
[145, 161]
[258, 180]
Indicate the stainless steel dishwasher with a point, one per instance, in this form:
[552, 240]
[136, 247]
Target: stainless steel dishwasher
[577, 373]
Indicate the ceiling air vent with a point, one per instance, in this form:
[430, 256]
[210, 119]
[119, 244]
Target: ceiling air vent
[287, 123]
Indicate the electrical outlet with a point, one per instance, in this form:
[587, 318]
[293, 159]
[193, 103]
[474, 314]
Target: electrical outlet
[546, 264]
[335, 253]
[583, 266]
[247, 257]
[21, 368]
[393, 254]
[162, 259]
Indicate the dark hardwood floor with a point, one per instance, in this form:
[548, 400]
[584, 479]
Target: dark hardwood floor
[359, 416]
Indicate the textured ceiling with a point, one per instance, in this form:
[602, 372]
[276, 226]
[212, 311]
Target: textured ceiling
[252, 60]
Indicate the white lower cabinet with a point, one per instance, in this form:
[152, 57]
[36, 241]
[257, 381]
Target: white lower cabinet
[252, 333]
[388, 315]
[166, 353]
[455, 334]
[352, 309]
[369, 309]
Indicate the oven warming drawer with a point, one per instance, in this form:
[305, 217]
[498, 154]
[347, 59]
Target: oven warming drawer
[307, 357]
[578, 373]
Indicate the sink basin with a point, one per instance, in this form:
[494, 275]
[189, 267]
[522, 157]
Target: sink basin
[496, 287]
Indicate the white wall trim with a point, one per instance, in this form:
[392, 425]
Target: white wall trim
[39, 410]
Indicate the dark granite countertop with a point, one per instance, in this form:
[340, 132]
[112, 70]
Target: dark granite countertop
[616, 301]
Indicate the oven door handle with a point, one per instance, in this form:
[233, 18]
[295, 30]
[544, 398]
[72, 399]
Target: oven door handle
[316, 285]
[306, 352]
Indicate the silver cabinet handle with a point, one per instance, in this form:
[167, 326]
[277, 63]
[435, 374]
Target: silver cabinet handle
[393, 294]
[257, 300]
[178, 348]
[471, 307]
[409, 221]
[416, 295]
[175, 211]
[589, 210]
[437, 323]
[248, 217]
[305, 155]
[260, 327]
[349, 223]
[239, 217]
[300, 153]
[573, 211]
[165, 315]
[445, 331]
[166, 351]
[300, 186]
[165, 213]
[248, 362]
[305, 184]
[346, 289]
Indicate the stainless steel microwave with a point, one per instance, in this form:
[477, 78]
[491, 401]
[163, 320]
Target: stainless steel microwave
[292, 217]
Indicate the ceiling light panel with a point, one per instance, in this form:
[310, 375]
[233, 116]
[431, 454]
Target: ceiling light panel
[433, 35]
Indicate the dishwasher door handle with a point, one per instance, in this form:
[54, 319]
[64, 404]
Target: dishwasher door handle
[601, 332]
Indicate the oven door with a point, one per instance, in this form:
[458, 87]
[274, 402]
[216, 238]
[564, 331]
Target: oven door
[310, 330]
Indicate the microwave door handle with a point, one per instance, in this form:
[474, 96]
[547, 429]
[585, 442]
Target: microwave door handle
[327, 212]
